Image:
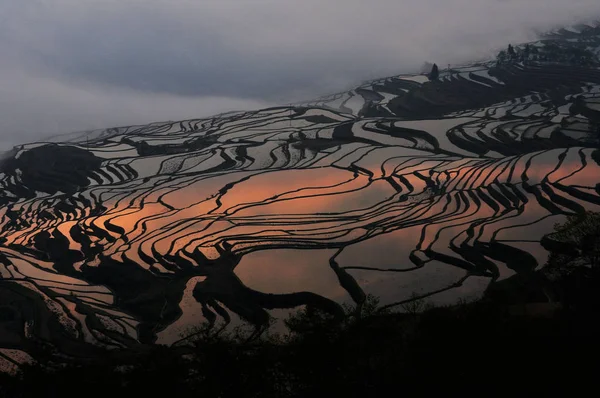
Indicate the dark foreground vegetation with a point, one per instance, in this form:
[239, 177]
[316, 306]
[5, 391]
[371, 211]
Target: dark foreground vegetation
[535, 332]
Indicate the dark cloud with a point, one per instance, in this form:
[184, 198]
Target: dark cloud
[75, 64]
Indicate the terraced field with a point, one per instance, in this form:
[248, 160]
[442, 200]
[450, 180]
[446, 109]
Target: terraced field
[403, 188]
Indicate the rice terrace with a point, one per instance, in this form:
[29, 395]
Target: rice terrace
[432, 187]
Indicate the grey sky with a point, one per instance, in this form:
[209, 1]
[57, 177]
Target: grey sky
[79, 64]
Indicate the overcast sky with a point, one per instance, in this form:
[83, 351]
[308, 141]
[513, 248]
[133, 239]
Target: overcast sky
[68, 65]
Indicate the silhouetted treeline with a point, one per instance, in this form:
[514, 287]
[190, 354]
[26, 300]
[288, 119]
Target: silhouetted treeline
[548, 52]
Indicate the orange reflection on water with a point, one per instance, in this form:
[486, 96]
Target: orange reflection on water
[270, 205]
[265, 187]
[287, 271]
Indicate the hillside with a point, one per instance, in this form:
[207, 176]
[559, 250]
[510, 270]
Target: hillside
[404, 188]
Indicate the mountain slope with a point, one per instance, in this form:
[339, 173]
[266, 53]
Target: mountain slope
[130, 235]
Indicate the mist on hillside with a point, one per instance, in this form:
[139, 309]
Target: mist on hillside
[69, 65]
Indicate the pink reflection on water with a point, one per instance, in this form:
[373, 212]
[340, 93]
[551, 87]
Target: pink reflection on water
[287, 271]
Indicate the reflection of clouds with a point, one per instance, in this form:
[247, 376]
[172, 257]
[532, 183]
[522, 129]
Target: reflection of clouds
[288, 271]
[282, 186]
[393, 287]
[385, 251]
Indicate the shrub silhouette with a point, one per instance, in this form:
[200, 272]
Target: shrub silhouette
[435, 73]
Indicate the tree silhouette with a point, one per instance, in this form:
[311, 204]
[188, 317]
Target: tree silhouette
[511, 50]
[435, 72]
[576, 242]
[573, 266]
